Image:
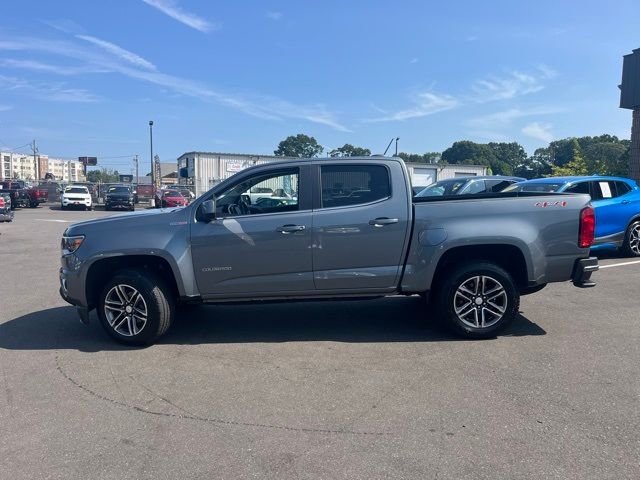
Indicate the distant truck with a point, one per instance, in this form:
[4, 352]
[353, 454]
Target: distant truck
[350, 230]
[23, 195]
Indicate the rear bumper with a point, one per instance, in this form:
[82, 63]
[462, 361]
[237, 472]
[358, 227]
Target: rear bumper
[582, 271]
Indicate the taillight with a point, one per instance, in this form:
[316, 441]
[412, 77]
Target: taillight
[587, 227]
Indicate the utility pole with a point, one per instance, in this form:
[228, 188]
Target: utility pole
[136, 162]
[397, 138]
[151, 148]
[34, 148]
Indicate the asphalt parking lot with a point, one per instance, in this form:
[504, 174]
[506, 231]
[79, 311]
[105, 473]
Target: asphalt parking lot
[314, 390]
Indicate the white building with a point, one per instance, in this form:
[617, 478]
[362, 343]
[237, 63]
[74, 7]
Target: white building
[424, 174]
[24, 167]
[206, 169]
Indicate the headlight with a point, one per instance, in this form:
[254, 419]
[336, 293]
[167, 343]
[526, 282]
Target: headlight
[71, 244]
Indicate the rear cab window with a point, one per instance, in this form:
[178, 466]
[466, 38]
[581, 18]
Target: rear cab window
[345, 185]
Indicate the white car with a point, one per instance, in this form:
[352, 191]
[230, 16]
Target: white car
[76, 196]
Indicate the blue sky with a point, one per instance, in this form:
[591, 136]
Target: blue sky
[84, 78]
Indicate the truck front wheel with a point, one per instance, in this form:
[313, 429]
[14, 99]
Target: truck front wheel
[478, 300]
[135, 309]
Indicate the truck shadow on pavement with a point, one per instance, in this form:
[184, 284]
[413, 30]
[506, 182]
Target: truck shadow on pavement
[395, 319]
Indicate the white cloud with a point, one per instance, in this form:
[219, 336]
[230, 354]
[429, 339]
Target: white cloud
[54, 92]
[119, 52]
[539, 131]
[485, 90]
[547, 72]
[426, 104]
[171, 8]
[48, 68]
[505, 118]
[262, 106]
[513, 85]
[413, 60]
[274, 15]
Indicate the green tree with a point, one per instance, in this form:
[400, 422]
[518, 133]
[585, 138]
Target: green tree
[301, 146]
[577, 165]
[467, 152]
[428, 157]
[348, 150]
[509, 155]
[608, 158]
[536, 166]
[104, 176]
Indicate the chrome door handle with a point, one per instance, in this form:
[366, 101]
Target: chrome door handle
[287, 229]
[382, 221]
[625, 202]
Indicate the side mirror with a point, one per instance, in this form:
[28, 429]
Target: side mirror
[208, 210]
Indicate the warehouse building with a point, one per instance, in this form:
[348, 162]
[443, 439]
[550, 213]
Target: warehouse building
[203, 170]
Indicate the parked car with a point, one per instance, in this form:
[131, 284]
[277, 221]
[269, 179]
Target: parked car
[76, 196]
[145, 192]
[24, 195]
[170, 198]
[185, 191]
[472, 257]
[6, 214]
[468, 186]
[119, 196]
[616, 202]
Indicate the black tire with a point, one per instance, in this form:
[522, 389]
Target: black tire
[62, 207]
[33, 205]
[631, 245]
[490, 275]
[132, 209]
[106, 209]
[158, 300]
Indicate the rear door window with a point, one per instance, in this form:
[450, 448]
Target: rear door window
[622, 188]
[344, 185]
[498, 185]
[582, 187]
[476, 186]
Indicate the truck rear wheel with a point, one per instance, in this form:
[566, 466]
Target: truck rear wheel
[136, 308]
[478, 300]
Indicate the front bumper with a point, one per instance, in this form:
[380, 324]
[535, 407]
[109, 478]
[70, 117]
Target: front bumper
[582, 271]
[117, 202]
[75, 203]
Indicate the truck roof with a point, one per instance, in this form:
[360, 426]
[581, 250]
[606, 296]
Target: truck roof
[570, 179]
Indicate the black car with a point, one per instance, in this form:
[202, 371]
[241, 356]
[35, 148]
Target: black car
[119, 196]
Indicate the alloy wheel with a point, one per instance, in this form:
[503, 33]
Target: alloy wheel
[480, 301]
[634, 239]
[125, 310]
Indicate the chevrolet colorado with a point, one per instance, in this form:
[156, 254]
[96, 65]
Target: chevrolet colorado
[349, 228]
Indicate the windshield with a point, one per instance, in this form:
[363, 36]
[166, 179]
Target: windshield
[443, 187]
[172, 193]
[534, 187]
[76, 190]
[119, 190]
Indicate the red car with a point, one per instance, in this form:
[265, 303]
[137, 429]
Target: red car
[170, 198]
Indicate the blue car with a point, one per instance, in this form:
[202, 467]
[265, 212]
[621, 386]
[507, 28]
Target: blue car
[616, 202]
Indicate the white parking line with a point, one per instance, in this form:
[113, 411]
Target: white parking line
[53, 220]
[619, 264]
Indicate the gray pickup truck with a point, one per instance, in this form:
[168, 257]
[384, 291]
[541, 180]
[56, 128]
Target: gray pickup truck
[327, 228]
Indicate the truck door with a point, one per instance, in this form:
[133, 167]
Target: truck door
[258, 244]
[360, 223]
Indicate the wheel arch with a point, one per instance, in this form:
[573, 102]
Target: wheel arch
[507, 256]
[101, 270]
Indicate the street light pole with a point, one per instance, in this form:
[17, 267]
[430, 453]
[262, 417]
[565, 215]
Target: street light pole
[153, 183]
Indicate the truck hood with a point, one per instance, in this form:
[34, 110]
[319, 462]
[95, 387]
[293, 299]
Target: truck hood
[143, 219]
